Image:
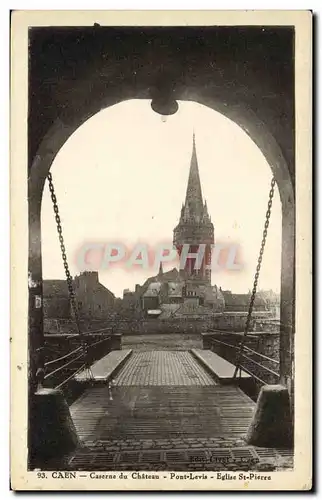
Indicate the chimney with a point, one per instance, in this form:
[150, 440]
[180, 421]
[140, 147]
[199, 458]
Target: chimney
[90, 278]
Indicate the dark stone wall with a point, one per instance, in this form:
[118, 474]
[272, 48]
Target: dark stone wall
[155, 326]
[230, 323]
[68, 326]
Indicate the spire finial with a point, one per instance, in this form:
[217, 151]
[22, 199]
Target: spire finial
[160, 269]
[194, 152]
[205, 211]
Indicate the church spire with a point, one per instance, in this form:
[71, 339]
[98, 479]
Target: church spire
[195, 227]
[194, 193]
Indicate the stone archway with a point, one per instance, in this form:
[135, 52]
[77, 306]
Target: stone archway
[248, 120]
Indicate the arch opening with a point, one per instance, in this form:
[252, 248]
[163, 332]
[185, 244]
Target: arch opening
[137, 165]
[247, 120]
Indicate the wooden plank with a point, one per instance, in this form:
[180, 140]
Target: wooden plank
[157, 412]
[218, 366]
[163, 368]
[104, 368]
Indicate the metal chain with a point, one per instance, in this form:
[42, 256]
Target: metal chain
[69, 279]
[258, 268]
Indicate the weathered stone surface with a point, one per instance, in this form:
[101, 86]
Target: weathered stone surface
[56, 434]
[271, 425]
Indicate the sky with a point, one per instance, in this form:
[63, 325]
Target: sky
[121, 179]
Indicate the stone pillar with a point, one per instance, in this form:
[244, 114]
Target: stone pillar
[56, 434]
[287, 299]
[116, 341]
[206, 341]
[38, 171]
[35, 313]
[271, 425]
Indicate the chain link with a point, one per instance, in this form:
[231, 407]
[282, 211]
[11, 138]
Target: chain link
[69, 279]
[258, 268]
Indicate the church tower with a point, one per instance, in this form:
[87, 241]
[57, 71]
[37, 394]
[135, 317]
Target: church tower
[195, 227]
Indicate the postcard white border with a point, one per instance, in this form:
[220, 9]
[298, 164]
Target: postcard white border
[300, 477]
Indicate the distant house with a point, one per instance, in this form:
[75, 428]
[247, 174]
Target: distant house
[131, 300]
[175, 292]
[151, 297]
[94, 300]
[273, 300]
[171, 276]
[239, 302]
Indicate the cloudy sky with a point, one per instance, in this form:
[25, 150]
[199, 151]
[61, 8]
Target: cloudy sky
[122, 176]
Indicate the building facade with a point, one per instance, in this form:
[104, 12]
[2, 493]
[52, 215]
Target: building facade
[56, 302]
[94, 300]
[239, 302]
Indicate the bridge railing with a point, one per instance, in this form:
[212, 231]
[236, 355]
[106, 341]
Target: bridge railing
[66, 355]
[262, 368]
